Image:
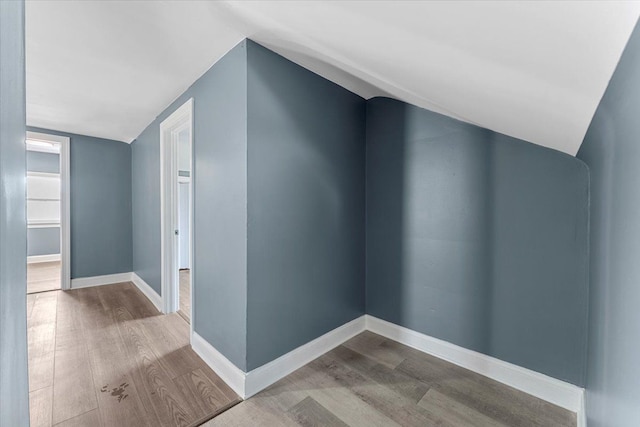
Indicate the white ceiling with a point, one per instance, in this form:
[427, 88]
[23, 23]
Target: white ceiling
[532, 70]
[108, 68]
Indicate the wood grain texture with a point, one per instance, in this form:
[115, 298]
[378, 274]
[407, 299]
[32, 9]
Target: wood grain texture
[41, 338]
[455, 413]
[88, 419]
[118, 362]
[31, 301]
[184, 297]
[73, 387]
[108, 358]
[43, 276]
[40, 407]
[373, 381]
[110, 370]
[150, 378]
[309, 413]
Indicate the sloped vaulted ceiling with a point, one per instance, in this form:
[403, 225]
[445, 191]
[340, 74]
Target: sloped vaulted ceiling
[532, 70]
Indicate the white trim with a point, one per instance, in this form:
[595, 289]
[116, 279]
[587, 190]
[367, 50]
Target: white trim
[552, 390]
[177, 121]
[112, 279]
[55, 140]
[262, 377]
[192, 221]
[107, 279]
[223, 367]
[252, 382]
[46, 137]
[35, 259]
[50, 175]
[39, 149]
[582, 413]
[48, 222]
[147, 290]
[43, 224]
[65, 201]
[65, 212]
[183, 179]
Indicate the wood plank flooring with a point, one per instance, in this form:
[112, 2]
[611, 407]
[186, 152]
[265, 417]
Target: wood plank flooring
[43, 276]
[372, 381]
[104, 356]
[184, 297]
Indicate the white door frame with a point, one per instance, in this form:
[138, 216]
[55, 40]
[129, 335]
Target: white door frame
[179, 120]
[65, 202]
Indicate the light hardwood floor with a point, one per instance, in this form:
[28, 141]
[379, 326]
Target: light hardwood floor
[104, 356]
[373, 381]
[185, 295]
[43, 276]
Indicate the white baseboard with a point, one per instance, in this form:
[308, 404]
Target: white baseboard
[111, 279]
[226, 370]
[148, 291]
[582, 413]
[34, 259]
[107, 279]
[249, 383]
[262, 377]
[558, 392]
[552, 390]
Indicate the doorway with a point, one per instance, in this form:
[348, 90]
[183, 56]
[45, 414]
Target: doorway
[47, 202]
[184, 223]
[176, 153]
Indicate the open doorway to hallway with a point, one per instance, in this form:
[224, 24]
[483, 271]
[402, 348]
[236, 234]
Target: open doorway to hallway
[47, 209]
[184, 222]
[176, 142]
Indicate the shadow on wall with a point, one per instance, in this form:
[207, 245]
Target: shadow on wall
[385, 198]
[471, 237]
[429, 224]
[477, 238]
[611, 150]
[306, 206]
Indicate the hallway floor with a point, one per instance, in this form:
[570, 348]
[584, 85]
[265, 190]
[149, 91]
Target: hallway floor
[43, 276]
[185, 294]
[372, 381]
[104, 356]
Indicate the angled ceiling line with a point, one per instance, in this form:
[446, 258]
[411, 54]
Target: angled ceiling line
[535, 71]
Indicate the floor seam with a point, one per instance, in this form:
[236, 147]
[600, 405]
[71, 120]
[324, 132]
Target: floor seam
[55, 344]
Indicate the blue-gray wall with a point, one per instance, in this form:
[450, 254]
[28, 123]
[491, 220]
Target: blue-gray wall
[305, 206]
[14, 384]
[471, 236]
[220, 197]
[611, 148]
[101, 229]
[43, 241]
[540, 276]
[145, 196]
[477, 238]
[43, 162]
[429, 223]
